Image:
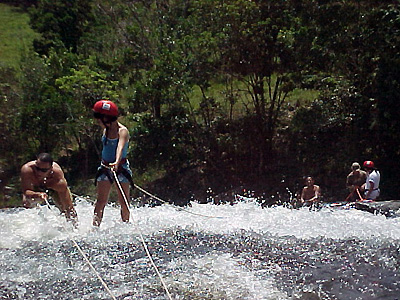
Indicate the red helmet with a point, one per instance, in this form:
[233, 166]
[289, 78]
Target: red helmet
[106, 107]
[369, 164]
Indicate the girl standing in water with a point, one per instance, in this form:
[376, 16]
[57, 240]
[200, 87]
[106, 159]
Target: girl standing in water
[114, 160]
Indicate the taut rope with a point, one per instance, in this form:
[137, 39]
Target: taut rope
[142, 238]
[85, 258]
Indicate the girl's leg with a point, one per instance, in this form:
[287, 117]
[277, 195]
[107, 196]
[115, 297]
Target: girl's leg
[124, 208]
[103, 191]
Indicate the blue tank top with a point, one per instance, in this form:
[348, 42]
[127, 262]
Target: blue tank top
[109, 152]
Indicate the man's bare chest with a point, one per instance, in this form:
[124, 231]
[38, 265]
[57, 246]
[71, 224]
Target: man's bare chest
[43, 182]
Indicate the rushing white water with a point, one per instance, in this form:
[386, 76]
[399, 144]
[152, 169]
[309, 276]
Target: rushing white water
[206, 251]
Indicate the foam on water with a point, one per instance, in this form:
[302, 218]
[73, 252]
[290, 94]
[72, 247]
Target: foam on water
[234, 281]
[281, 221]
[205, 251]
[42, 224]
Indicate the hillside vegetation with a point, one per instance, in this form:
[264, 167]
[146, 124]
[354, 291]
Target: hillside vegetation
[217, 95]
[16, 36]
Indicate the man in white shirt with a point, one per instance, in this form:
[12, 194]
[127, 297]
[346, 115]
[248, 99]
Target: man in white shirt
[371, 186]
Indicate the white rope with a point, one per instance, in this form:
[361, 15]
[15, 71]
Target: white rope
[159, 199]
[83, 197]
[85, 258]
[142, 238]
[178, 208]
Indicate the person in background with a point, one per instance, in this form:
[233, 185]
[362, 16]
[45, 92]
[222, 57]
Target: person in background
[355, 181]
[43, 174]
[114, 160]
[311, 193]
[371, 186]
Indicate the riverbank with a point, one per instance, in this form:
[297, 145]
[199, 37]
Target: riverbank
[198, 183]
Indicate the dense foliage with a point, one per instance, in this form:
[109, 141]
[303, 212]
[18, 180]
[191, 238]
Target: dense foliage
[211, 84]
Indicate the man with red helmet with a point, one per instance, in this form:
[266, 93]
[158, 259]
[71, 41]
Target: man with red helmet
[115, 141]
[371, 186]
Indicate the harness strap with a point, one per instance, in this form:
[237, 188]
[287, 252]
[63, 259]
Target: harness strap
[104, 170]
[106, 163]
[127, 176]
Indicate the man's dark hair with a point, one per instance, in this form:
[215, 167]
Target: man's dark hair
[45, 157]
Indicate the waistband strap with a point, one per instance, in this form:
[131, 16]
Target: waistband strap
[107, 172]
[106, 163]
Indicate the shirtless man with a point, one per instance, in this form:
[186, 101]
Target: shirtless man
[355, 181]
[38, 176]
[311, 192]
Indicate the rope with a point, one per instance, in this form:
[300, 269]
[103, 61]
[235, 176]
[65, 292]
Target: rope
[359, 195]
[178, 208]
[157, 198]
[348, 204]
[142, 238]
[82, 197]
[85, 257]
[163, 201]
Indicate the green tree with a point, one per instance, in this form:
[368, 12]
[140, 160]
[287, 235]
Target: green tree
[85, 85]
[60, 23]
[353, 44]
[386, 87]
[42, 111]
[152, 67]
[255, 47]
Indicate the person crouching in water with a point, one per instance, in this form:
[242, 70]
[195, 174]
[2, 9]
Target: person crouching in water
[371, 186]
[310, 193]
[115, 141]
[43, 174]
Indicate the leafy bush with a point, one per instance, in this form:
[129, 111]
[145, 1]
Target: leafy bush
[167, 141]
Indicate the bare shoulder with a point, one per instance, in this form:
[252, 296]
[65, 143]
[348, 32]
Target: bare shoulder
[122, 127]
[27, 168]
[57, 171]
[123, 130]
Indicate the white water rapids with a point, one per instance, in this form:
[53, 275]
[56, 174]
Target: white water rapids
[240, 251]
